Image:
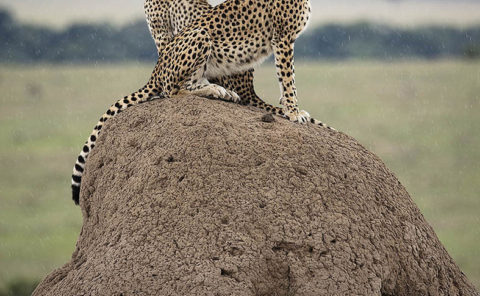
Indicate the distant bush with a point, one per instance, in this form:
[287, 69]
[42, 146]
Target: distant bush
[77, 43]
[472, 51]
[19, 287]
[94, 43]
[373, 41]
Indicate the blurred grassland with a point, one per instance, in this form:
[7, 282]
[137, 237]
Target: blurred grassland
[422, 118]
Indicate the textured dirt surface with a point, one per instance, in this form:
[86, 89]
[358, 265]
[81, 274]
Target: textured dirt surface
[188, 196]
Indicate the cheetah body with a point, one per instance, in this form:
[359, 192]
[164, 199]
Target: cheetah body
[231, 38]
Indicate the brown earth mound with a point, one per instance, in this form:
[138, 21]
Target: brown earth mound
[188, 196]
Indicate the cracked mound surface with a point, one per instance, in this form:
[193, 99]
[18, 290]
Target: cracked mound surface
[188, 196]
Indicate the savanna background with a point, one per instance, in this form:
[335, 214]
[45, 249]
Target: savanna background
[402, 77]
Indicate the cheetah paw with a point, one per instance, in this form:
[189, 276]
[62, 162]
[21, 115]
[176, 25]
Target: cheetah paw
[217, 92]
[300, 116]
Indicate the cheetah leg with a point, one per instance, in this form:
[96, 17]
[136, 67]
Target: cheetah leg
[148, 92]
[243, 85]
[283, 51]
[189, 77]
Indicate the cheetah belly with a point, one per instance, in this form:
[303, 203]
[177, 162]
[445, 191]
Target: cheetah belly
[227, 60]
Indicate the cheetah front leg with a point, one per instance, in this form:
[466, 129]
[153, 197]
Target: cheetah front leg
[283, 51]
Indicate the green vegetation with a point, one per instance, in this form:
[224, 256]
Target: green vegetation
[102, 42]
[19, 287]
[420, 117]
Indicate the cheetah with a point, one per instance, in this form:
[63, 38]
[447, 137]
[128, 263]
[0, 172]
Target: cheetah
[211, 51]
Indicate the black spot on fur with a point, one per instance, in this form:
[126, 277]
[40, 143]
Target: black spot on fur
[77, 179]
[78, 168]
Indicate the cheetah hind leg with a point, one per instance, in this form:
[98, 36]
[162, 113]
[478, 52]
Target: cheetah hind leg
[243, 84]
[195, 82]
[204, 88]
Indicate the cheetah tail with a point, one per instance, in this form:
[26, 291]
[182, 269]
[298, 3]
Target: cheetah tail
[146, 93]
[318, 122]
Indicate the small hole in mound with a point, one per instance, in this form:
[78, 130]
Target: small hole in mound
[262, 205]
[236, 252]
[181, 179]
[333, 241]
[225, 272]
[276, 249]
[170, 159]
[224, 220]
[310, 249]
[345, 176]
